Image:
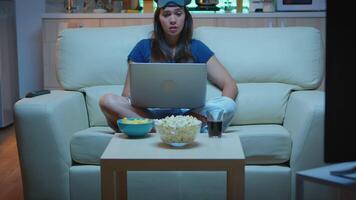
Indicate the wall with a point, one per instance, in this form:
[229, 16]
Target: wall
[8, 62]
[29, 49]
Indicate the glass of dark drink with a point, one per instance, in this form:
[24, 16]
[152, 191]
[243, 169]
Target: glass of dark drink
[214, 121]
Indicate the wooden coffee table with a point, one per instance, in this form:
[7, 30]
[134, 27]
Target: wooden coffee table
[149, 154]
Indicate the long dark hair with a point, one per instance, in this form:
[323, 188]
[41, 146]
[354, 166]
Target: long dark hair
[161, 52]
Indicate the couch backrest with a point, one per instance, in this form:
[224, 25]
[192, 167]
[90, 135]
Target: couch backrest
[291, 55]
[268, 64]
[96, 56]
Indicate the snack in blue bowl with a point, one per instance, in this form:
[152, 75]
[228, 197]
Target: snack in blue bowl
[135, 127]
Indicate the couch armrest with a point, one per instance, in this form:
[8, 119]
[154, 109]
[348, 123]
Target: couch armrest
[304, 120]
[44, 126]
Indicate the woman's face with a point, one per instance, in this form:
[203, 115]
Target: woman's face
[172, 20]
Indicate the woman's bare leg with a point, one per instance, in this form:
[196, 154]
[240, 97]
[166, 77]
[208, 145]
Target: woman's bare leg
[117, 107]
[200, 117]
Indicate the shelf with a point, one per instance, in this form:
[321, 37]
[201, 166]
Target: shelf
[196, 14]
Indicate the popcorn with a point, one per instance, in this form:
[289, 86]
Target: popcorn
[178, 121]
[178, 129]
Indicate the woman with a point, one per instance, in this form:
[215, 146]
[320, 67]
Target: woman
[172, 42]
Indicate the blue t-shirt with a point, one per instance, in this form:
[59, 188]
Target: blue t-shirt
[142, 51]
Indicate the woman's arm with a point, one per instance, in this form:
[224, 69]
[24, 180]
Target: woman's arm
[220, 77]
[126, 90]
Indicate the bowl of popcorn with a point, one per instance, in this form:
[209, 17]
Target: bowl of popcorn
[178, 131]
[135, 127]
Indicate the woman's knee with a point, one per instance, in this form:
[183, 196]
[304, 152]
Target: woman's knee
[105, 100]
[110, 101]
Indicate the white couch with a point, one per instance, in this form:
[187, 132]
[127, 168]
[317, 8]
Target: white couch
[280, 114]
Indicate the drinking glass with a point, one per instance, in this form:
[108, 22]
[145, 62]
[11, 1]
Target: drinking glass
[214, 121]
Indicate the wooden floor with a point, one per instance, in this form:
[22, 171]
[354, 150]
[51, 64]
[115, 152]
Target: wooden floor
[10, 173]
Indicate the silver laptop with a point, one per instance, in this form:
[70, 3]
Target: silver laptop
[168, 85]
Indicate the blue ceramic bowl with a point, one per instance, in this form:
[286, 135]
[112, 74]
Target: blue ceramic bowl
[135, 130]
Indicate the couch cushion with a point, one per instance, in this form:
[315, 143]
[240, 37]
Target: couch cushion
[292, 55]
[86, 146]
[257, 102]
[92, 97]
[96, 56]
[262, 144]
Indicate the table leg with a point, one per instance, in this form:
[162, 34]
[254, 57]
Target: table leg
[122, 184]
[235, 184]
[107, 184]
[299, 188]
